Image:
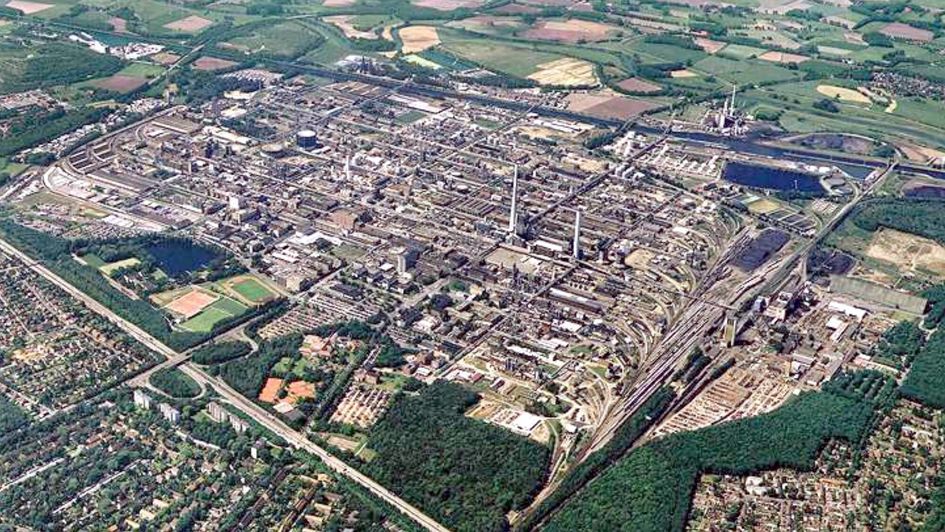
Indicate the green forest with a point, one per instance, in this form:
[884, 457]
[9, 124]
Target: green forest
[247, 375]
[456, 468]
[919, 217]
[220, 352]
[650, 489]
[11, 417]
[925, 380]
[579, 475]
[175, 383]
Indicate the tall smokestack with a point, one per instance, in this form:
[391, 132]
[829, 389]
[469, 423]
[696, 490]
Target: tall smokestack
[576, 245]
[512, 212]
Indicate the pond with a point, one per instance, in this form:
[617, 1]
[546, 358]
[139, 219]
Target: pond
[178, 257]
[768, 177]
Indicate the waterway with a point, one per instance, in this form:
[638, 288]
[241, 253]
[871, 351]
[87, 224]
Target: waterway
[758, 176]
[178, 257]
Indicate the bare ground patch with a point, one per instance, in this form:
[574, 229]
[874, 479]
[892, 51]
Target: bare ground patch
[639, 85]
[570, 31]
[783, 57]
[189, 24]
[28, 8]
[447, 5]
[343, 23]
[907, 251]
[212, 63]
[120, 83]
[418, 38]
[566, 71]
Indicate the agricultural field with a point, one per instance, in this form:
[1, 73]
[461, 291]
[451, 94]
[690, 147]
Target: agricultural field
[286, 40]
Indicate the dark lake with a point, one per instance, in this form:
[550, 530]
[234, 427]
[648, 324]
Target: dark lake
[757, 176]
[177, 257]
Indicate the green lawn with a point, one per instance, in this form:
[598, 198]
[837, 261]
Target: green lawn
[743, 72]
[111, 267]
[512, 60]
[288, 39]
[204, 322]
[253, 291]
[739, 51]
[230, 306]
[142, 70]
[93, 260]
[220, 310]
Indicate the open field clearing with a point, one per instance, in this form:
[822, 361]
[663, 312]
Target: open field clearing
[191, 24]
[844, 94]
[120, 83]
[743, 71]
[783, 57]
[218, 311]
[763, 206]
[119, 24]
[683, 74]
[566, 71]
[287, 40]
[708, 45]
[270, 391]
[212, 63]
[639, 85]
[739, 51]
[608, 106]
[165, 58]
[112, 267]
[908, 252]
[192, 303]
[447, 5]
[344, 23]
[509, 60]
[898, 30]
[418, 38]
[570, 31]
[248, 288]
[422, 61]
[487, 24]
[28, 8]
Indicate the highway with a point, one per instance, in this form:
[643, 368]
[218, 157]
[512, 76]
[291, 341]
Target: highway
[257, 413]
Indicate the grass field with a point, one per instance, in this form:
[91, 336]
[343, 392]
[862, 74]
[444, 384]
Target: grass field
[512, 60]
[111, 267]
[142, 70]
[220, 310]
[739, 52]
[653, 53]
[743, 72]
[93, 260]
[248, 289]
[204, 322]
[253, 290]
[287, 39]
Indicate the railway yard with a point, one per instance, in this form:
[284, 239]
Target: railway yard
[399, 239]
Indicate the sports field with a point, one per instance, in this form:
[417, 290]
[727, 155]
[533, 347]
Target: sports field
[247, 289]
[252, 290]
[221, 309]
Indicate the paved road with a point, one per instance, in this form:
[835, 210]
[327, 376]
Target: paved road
[264, 418]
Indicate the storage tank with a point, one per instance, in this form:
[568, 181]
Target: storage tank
[306, 139]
